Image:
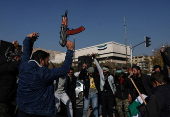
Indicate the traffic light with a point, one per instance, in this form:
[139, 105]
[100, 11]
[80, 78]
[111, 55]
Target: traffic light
[147, 39]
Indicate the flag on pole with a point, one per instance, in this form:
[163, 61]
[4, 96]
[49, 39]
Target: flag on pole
[133, 111]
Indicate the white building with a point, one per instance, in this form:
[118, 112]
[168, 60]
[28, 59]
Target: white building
[110, 51]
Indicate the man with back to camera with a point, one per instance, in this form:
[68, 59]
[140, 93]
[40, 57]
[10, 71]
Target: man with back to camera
[9, 63]
[35, 95]
[158, 103]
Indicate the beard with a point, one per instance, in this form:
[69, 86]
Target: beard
[105, 74]
[46, 64]
[137, 74]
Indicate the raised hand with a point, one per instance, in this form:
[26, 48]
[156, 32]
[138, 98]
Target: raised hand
[34, 36]
[84, 66]
[162, 50]
[70, 45]
[131, 73]
[15, 44]
[93, 55]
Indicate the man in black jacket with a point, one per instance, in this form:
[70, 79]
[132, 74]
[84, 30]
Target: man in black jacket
[158, 104]
[8, 78]
[71, 85]
[166, 63]
[92, 88]
[165, 58]
[142, 82]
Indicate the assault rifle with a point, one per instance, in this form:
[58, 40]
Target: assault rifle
[65, 32]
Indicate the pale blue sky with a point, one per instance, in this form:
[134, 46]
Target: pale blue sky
[102, 19]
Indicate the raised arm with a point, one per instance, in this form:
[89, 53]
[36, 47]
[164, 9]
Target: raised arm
[98, 66]
[83, 72]
[60, 71]
[55, 73]
[165, 58]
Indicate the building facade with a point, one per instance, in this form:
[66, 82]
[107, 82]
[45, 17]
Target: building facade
[110, 51]
[144, 62]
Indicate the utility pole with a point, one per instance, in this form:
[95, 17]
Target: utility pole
[125, 44]
[74, 53]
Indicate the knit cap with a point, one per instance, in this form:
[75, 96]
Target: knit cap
[90, 70]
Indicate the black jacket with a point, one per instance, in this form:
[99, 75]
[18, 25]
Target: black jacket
[122, 90]
[147, 84]
[165, 59]
[159, 102]
[85, 77]
[71, 85]
[166, 63]
[8, 73]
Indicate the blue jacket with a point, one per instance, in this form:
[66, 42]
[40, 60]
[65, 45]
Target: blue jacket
[35, 94]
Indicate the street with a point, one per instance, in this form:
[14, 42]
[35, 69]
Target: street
[79, 111]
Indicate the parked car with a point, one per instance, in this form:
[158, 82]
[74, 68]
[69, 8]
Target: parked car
[79, 89]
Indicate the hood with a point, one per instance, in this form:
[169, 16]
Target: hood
[161, 88]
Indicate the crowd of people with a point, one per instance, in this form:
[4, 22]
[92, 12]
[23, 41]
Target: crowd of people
[29, 88]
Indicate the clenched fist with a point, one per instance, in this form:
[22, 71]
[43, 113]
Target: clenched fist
[70, 45]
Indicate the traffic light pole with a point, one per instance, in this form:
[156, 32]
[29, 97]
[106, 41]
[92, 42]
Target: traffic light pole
[147, 44]
[131, 50]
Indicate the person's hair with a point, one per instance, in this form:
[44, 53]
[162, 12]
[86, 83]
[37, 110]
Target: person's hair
[39, 54]
[71, 68]
[117, 75]
[157, 66]
[158, 76]
[137, 68]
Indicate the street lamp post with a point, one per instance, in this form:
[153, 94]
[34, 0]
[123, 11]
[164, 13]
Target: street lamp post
[125, 44]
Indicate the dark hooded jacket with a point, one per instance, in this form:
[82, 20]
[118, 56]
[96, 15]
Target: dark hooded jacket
[8, 78]
[159, 102]
[166, 63]
[71, 86]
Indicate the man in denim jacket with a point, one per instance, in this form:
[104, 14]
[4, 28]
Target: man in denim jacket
[35, 96]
